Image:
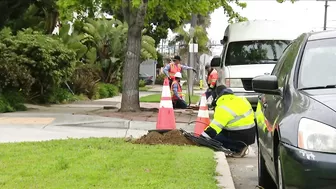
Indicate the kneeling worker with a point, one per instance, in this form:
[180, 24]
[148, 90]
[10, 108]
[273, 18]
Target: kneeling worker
[176, 91]
[233, 124]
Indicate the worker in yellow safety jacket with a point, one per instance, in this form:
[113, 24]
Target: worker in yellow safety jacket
[233, 124]
[260, 118]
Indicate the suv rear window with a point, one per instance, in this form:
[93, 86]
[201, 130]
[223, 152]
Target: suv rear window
[255, 52]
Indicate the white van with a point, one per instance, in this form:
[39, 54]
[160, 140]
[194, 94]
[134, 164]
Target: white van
[250, 49]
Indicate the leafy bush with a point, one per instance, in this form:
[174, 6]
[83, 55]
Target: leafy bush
[106, 90]
[142, 83]
[112, 90]
[159, 79]
[34, 62]
[84, 80]
[103, 92]
[11, 101]
[13, 76]
[60, 96]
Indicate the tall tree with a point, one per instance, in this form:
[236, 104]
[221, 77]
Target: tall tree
[12, 9]
[134, 13]
[157, 23]
[37, 14]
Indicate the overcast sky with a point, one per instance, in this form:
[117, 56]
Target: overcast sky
[308, 14]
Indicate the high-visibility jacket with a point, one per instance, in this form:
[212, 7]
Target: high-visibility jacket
[179, 90]
[174, 68]
[260, 118]
[232, 113]
[212, 78]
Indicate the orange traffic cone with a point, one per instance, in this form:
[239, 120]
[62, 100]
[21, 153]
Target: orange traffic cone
[203, 119]
[166, 116]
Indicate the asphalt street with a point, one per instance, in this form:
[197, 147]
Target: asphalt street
[245, 170]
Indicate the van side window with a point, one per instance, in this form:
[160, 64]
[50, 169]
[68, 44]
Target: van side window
[223, 55]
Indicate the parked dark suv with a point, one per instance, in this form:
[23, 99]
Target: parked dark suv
[297, 116]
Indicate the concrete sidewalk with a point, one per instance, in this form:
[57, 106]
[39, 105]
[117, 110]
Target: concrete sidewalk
[80, 127]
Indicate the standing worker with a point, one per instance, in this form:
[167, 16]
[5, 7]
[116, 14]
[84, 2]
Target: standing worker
[233, 124]
[211, 80]
[173, 67]
[176, 90]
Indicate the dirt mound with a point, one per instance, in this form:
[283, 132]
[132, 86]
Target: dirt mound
[174, 137]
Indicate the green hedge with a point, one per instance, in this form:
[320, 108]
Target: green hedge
[106, 90]
[34, 63]
[11, 101]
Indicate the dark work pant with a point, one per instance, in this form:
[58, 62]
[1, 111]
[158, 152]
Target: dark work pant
[228, 143]
[179, 104]
[170, 82]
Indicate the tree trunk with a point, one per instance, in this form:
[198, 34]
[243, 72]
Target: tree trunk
[130, 93]
[135, 19]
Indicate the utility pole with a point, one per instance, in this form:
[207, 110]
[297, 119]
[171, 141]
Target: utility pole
[193, 48]
[325, 15]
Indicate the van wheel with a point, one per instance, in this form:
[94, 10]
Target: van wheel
[264, 178]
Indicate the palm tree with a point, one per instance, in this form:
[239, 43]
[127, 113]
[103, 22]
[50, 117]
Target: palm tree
[108, 37]
[184, 37]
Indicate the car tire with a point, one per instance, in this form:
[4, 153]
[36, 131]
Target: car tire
[279, 172]
[264, 178]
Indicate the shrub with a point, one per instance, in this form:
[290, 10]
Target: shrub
[159, 79]
[112, 90]
[103, 92]
[84, 80]
[106, 90]
[60, 96]
[34, 62]
[142, 83]
[11, 101]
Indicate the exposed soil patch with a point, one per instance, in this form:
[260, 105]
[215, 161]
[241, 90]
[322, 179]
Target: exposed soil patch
[174, 137]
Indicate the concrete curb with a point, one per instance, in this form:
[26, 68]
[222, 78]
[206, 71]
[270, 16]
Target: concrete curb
[224, 176]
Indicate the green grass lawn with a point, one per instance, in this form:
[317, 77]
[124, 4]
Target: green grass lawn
[157, 97]
[105, 163]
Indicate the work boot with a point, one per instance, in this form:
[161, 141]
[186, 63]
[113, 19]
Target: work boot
[242, 153]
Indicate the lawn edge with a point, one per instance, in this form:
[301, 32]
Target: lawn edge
[224, 177]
